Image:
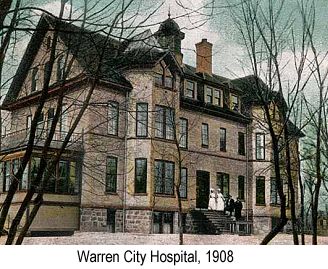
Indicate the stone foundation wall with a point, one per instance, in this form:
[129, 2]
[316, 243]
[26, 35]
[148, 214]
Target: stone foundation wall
[138, 221]
[95, 220]
[261, 225]
[191, 228]
[119, 221]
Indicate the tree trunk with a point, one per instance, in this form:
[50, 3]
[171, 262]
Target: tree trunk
[318, 171]
[37, 204]
[291, 187]
[302, 199]
[283, 218]
[180, 226]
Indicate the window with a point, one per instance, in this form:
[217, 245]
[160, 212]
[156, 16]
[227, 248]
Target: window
[164, 79]
[140, 184]
[205, 137]
[286, 191]
[222, 182]
[260, 146]
[63, 178]
[7, 174]
[111, 174]
[209, 95]
[60, 68]
[35, 164]
[184, 183]
[164, 177]
[235, 102]
[158, 79]
[142, 120]
[217, 97]
[23, 184]
[241, 187]
[260, 190]
[64, 124]
[164, 122]
[168, 82]
[28, 122]
[163, 223]
[274, 196]
[213, 96]
[241, 143]
[111, 220]
[73, 185]
[8, 169]
[190, 90]
[183, 142]
[113, 118]
[35, 79]
[40, 126]
[159, 121]
[223, 139]
[51, 114]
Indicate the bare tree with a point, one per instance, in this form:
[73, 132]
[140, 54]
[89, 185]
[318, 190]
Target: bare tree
[267, 34]
[117, 26]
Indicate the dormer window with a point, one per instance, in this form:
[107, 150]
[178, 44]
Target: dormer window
[213, 96]
[158, 79]
[235, 104]
[168, 82]
[163, 81]
[190, 89]
[164, 78]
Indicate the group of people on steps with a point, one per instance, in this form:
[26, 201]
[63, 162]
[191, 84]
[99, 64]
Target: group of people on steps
[228, 205]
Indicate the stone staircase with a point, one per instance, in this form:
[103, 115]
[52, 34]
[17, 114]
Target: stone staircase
[210, 222]
[220, 220]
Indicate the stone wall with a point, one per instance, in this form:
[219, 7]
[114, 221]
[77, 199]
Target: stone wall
[190, 228]
[138, 221]
[261, 225]
[95, 220]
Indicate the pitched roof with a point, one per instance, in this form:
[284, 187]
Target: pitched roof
[253, 89]
[89, 48]
[191, 71]
[294, 130]
[253, 93]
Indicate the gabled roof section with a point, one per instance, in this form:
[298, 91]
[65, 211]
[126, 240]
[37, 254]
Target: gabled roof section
[294, 130]
[87, 48]
[25, 64]
[253, 88]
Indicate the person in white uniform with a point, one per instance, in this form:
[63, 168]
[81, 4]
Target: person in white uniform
[220, 201]
[212, 202]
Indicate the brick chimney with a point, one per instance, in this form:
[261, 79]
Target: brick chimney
[204, 57]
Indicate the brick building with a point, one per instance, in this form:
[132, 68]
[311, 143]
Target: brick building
[120, 169]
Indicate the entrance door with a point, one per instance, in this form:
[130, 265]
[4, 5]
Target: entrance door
[202, 189]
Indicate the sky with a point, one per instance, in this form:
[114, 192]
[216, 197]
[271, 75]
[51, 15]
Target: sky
[229, 54]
